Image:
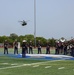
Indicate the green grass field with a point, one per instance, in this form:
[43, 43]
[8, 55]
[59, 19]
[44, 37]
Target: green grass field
[24, 66]
[11, 50]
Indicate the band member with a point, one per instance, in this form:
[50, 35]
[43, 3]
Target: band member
[6, 47]
[15, 44]
[24, 49]
[39, 47]
[30, 48]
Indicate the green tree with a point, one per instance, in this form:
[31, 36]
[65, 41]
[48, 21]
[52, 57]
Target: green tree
[29, 37]
[42, 40]
[13, 36]
[3, 38]
[52, 42]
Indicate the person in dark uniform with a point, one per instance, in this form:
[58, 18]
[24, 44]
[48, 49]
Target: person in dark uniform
[61, 48]
[6, 47]
[65, 49]
[48, 48]
[56, 49]
[24, 49]
[15, 47]
[27, 48]
[30, 48]
[39, 47]
[72, 51]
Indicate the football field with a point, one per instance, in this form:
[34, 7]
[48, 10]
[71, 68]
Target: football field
[10, 65]
[23, 66]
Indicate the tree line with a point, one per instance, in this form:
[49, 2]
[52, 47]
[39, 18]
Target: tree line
[28, 38]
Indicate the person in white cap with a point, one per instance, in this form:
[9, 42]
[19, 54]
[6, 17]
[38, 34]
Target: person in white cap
[24, 48]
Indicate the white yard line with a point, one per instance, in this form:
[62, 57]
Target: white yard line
[11, 67]
[61, 68]
[14, 64]
[26, 64]
[39, 63]
[45, 62]
[36, 66]
[5, 63]
[48, 66]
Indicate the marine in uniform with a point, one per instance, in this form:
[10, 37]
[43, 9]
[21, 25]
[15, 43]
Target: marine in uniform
[6, 47]
[72, 51]
[30, 48]
[24, 49]
[15, 47]
[48, 49]
[65, 49]
[39, 47]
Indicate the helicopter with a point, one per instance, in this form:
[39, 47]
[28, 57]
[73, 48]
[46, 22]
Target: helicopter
[23, 23]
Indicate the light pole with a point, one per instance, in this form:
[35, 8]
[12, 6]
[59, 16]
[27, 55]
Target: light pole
[35, 22]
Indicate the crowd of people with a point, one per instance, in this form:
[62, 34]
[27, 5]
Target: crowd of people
[64, 48]
[60, 48]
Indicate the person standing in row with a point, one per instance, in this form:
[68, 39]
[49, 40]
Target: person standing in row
[6, 47]
[48, 48]
[72, 50]
[65, 49]
[24, 49]
[39, 47]
[15, 44]
[30, 48]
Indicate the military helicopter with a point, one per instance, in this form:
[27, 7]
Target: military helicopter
[23, 23]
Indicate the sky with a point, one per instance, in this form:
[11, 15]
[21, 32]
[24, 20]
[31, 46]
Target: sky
[54, 18]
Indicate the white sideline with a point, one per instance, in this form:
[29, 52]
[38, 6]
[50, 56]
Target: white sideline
[45, 62]
[11, 67]
[28, 64]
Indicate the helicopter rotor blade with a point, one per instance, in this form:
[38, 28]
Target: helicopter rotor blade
[20, 21]
[27, 20]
